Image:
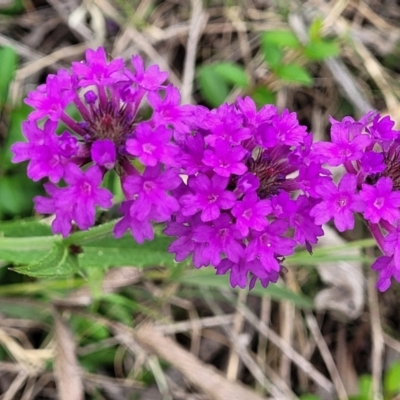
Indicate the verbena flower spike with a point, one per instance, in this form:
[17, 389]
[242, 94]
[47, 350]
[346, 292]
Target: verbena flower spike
[369, 151]
[250, 187]
[87, 121]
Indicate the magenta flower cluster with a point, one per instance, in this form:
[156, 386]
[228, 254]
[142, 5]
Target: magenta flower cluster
[369, 152]
[238, 188]
[90, 121]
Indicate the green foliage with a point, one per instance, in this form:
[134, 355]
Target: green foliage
[216, 80]
[293, 73]
[391, 382]
[44, 255]
[14, 7]
[261, 95]
[8, 65]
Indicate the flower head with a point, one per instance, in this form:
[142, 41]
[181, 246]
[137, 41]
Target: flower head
[109, 133]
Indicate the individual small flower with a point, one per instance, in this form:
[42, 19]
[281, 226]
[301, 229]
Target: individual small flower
[251, 213]
[387, 269]
[269, 244]
[150, 79]
[380, 201]
[209, 197]
[97, 70]
[150, 192]
[343, 147]
[103, 153]
[339, 203]
[225, 159]
[152, 146]
[222, 237]
[45, 151]
[140, 229]
[84, 192]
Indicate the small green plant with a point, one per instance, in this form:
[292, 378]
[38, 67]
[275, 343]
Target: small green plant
[218, 79]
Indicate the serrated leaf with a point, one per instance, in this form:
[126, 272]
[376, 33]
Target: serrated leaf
[8, 65]
[316, 51]
[207, 277]
[57, 262]
[212, 88]
[261, 95]
[232, 73]
[280, 38]
[111, 252]
[293, 73]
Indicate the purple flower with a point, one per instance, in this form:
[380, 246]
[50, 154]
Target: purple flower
[44, 151]
[103, 153]
[97, 70]
[97, 106]
[140, 229]
[251, 213]
[338, 203]
[380, 201]
[151, 146]
[268, 244]
[222, 237]
[343, 147]
[150, 79]
[151, 193]
[225, 159]
[387, 270]
[77, 201]
[209, 197]
[49, 100]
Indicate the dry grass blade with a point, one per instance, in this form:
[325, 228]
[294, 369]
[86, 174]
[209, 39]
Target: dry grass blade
[205, 377]
[296, 358]
[197, 24]
[66, 367]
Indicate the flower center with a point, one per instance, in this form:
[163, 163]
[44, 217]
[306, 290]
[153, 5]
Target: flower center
[379, 202]
[110, 123]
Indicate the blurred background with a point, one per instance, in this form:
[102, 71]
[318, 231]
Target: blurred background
[118, 331]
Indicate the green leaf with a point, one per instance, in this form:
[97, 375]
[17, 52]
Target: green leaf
[273, 55]
[213, 89]
[24, 228]
[16, 194]
[8, 65]
[294, 73]
[24, 250]
[280, 38]
[111, 252]
[57, 262]
[314, 31]
[232, 73]
[261, 95]
[207, 277]
[392, 379]
[317, 51]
